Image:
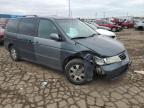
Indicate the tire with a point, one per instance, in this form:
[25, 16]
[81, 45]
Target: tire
[140, 28]
[74, 70]
[114, 29]
[1, 42]
[13, 53]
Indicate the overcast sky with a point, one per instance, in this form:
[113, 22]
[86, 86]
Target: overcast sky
[79, 8]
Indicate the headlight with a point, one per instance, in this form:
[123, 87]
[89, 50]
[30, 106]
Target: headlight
[109, 60]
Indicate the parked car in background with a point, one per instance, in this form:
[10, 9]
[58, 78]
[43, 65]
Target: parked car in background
[139, 25]
[112, 26]
[102, 32]
[3, 21]
[124, 23]
[101, 27]
[1, 34]
[127, 24]
[115, 20]
[65, 44]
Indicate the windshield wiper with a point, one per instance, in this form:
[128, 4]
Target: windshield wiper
[92, 35]
[79, 37]
[85, 36]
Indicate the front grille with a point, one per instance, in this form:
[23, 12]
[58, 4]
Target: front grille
[122, 56]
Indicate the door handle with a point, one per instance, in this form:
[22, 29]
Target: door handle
[30, 41]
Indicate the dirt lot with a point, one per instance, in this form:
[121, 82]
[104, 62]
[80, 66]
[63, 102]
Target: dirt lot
[22, 86]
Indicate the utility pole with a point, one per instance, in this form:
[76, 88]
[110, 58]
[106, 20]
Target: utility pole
[96, 15]
[104, 14]
[127, 14]
[69, 8]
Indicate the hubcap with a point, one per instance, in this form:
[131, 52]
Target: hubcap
[76, 73]
[13, 54]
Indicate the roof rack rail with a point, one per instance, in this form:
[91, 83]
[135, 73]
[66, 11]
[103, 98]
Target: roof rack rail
[29, 15]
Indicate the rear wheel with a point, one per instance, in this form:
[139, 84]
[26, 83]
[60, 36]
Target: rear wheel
[75, 71]
[1, 41]
[140, 28]
[13, 53]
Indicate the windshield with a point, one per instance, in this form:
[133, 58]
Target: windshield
[93, 26]
[75, 28]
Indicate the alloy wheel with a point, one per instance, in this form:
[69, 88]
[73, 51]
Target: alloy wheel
[76, 73]
[13, 54]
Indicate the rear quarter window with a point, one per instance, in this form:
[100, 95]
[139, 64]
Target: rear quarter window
[27, 26]
[12, 26]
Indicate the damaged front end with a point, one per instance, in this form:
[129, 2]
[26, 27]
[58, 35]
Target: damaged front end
[112, 67]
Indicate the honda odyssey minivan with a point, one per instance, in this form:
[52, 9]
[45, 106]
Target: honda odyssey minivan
[62, 44]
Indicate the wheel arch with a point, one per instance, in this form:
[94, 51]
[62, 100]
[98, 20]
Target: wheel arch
[75, 56]
[10, 45]
[79, 55]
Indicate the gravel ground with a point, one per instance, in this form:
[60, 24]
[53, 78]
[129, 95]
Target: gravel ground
[28, 85]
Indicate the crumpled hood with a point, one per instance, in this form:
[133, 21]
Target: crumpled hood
[103, 46]
[105, 32]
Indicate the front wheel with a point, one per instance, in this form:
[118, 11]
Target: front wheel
[75, 72]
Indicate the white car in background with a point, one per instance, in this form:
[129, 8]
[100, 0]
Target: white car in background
[102, 31]
[139, 25]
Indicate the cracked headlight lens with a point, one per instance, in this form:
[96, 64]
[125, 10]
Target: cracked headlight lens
[109, 60]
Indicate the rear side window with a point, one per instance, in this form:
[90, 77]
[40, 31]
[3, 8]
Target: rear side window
[12, 26]
[27, 26]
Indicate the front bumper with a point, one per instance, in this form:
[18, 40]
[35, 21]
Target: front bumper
[116, 69]
[135, 26]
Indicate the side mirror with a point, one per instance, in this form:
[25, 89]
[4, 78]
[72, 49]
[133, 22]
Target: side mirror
[55, 36]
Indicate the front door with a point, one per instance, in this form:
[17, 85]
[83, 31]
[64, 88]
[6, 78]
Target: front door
[47, 51]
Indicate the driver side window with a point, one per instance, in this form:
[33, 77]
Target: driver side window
[46, 27]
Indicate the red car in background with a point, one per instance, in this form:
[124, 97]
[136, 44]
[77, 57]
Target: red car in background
[127, 24]
[3, 22]
[111, 25]
[123, 23]
[1, 35]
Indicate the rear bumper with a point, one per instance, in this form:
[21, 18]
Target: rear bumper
[135, 26]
